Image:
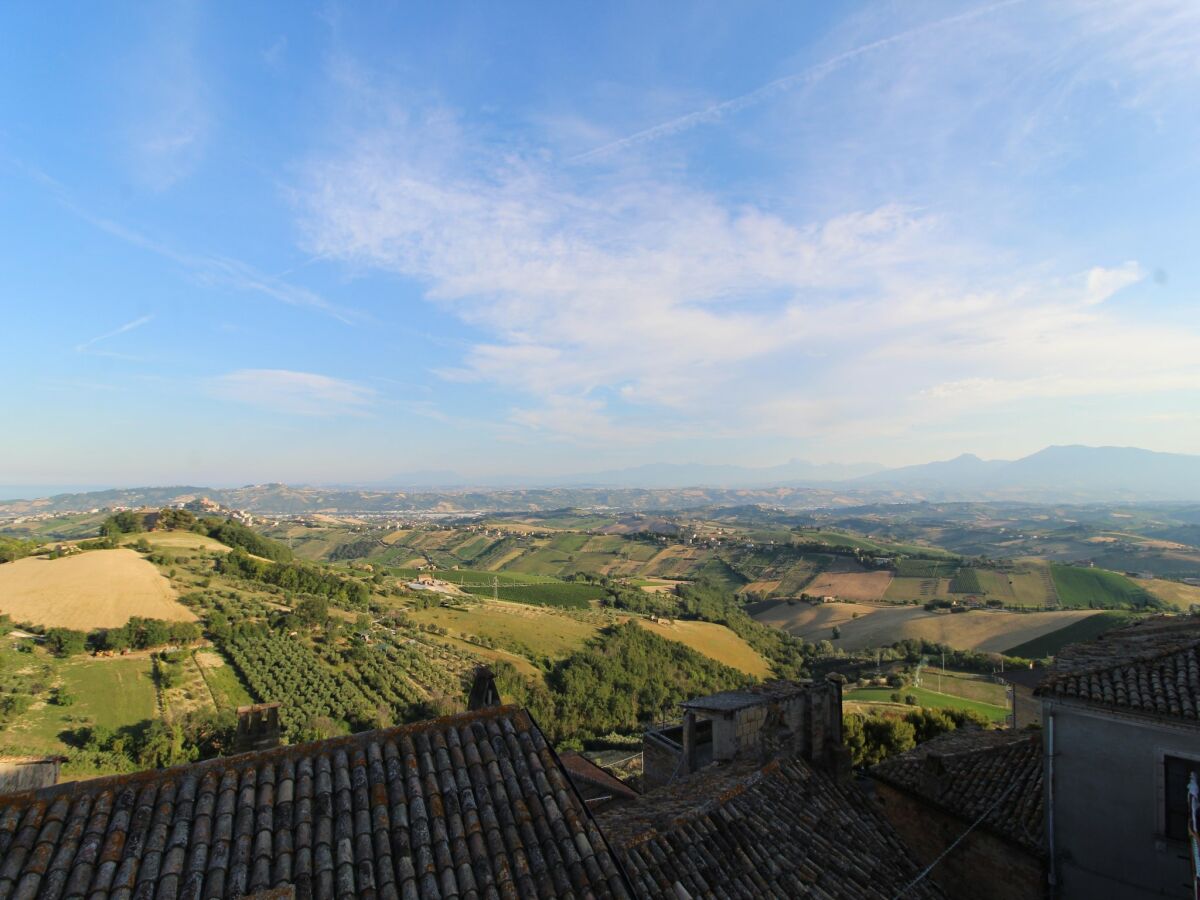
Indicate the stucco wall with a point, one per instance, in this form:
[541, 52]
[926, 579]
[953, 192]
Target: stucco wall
[1108, 802]
[982, 867]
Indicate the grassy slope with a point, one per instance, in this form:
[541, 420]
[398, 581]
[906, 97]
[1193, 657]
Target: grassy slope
[1082, 630]
[1095, 588]
[513, 626]
[714, 641]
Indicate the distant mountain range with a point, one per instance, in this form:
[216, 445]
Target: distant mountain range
[1071, 474]
[1112, 473]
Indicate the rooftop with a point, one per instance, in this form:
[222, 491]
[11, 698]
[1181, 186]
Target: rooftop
[995, 774]
[783, 830]
[1151, 667]
[731, 701]
[469, 805]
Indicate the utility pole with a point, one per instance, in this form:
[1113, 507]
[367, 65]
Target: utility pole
[495, 588]
[941, 670]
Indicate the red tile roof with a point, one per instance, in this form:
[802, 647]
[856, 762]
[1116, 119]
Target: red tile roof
[1152, 667]
[474, 805]
[995, 774]
[784, 830]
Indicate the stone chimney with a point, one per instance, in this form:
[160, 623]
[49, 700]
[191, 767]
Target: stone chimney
[484, 693]
[257, 727]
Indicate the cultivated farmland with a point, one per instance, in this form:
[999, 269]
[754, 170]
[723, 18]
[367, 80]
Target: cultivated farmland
[877, 626]
[861, 586]
[96, 589]
[1096, 588]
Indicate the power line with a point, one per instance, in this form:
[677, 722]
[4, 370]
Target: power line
[958, 840]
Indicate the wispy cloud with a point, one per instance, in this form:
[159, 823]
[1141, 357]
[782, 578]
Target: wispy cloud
[717, 111]
[87, 345]
[296, 393]
[609, 298]
[219, 271]
[169, 98]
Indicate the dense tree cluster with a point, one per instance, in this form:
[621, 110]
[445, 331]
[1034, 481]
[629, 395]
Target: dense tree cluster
[871, 739]
[619, 681]
[12, 549]
[235, 534]
[296, 577]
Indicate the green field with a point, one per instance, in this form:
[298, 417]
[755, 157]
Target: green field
[925, 568]
[529, 632]
[929, 699]
[1097, 589]
[108, 692]
[222, 680]
[564, 595]
[966, 581]
[1083, 630]
[905, 590]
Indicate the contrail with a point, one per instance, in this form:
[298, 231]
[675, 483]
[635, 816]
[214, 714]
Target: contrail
[128, 326]
[718, 110]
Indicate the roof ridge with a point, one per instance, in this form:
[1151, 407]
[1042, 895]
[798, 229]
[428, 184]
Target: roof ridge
[1126, 661]
[273, 755]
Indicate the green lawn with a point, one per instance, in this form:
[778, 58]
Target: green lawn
[930, 699]
[1096, 588]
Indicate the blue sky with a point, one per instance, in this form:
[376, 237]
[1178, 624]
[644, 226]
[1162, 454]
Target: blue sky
[340, 242]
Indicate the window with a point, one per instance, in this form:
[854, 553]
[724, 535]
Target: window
[1176, 776]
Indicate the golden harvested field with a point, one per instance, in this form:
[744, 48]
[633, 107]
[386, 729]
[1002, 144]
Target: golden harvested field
[866, 586]
[714, 641]
[876, 626]
[178, 540]
[1178, 595]
[96, 589]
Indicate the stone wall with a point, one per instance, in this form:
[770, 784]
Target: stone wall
[984, 866]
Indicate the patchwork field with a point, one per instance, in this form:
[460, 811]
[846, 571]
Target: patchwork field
[860, 586]
[878, 626]
[96, 589]
[714, 641]
[921, 590]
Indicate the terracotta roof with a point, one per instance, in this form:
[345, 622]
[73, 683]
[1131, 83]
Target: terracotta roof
[968, 773]
[582, 769]
[784, 830]
[474, 805]
[1151, 667]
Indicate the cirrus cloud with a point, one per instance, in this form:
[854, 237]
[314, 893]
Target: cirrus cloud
[296, 393]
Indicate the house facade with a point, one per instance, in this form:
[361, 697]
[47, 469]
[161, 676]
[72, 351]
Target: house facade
[1121, 741]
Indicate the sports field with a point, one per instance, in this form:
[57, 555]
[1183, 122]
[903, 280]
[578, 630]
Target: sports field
[95, 589]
